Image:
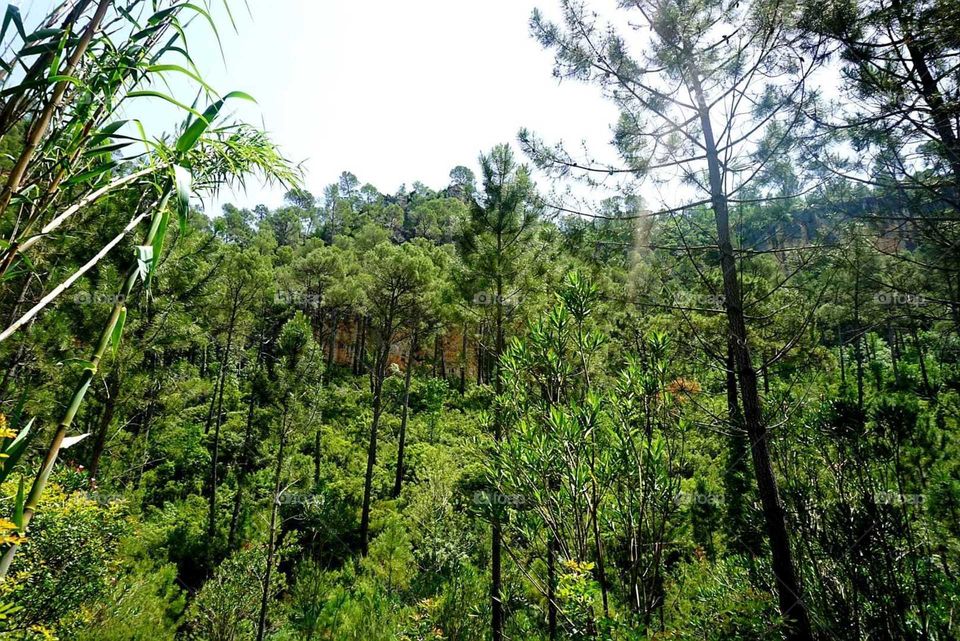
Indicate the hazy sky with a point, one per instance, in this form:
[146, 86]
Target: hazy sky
[394, 91]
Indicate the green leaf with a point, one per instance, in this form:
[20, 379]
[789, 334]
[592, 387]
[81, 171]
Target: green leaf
[12, 15]
[41, 34]
[211, 22]
[180, 69]
[107, 149]
[15, 451]
[93, 173]
[147, 93]
[160, 15]
[159, 236]
[106, 132]
[79, 361]
[199, 126]
[61, 78]
[183, 180]
[118, 330]
[43, 47]
[144, 262]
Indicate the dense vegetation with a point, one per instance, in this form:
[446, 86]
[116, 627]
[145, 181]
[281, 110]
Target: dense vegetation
[481, 412]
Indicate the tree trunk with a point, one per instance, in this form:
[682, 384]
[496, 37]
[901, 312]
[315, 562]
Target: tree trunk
[213, 399]
[496, 580]
[789, 592]
[218, 422]
[113, 389]
[243, 472]
[894, 353]
[463, 361]
[272, 541]
[551, 586]
[858, 336]
[924, 377]
[398, 481]
[843, 366]
[332, 341]
[377, 375]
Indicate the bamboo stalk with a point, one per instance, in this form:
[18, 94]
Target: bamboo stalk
[62, 287]
[50, 459]
[43, 120]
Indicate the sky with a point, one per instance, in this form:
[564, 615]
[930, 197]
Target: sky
[392, 91]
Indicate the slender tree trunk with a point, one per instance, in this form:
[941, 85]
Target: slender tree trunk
[398, 481]
[463, 360]
[894, 353]
[245, 460]
[332, 341]
[218, 422]
[145, 427]
[357, 340]
[858, 338]
[113, 389]
[213, 398]
[551, 586]
[443, 357]
[480, 363]
[377, 374]
[317, 438]
[843, 366]
[598, 550]
[272, 538]
[496, 535]
[371, 461]
[789, 591]
[243, 471]
[921, 359]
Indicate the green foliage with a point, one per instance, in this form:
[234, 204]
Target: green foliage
[226, 607]
[69, 563]
[572, 380]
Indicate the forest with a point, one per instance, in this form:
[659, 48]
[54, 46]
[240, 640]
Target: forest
[492, 409]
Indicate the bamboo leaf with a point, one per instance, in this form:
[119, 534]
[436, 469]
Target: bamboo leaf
[14, 451]
[199, 126]
[180, 69]
[79, 361]
[163, 13]
[41, 34]
[183, 180]
[93, 173]
[106, 149]
[61, 78]
[147, 93]
[107, 131]
[211, 22]
[12, 15]
[144, 261]
[70, 441]
[43, 47]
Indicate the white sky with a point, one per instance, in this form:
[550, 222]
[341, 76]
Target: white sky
[394, 91]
